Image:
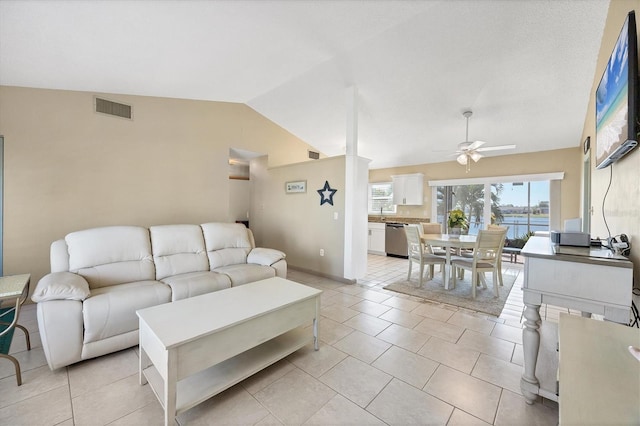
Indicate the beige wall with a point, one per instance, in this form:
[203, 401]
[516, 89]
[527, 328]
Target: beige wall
[67, 168]
[561, 160]
[622, 203]
[296, 223]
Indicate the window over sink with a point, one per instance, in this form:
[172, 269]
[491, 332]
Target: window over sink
[381, 198]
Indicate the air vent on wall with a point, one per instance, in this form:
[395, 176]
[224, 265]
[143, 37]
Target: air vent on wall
[314, 155]
[104, 106]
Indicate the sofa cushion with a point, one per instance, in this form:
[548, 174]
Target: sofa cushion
[225, 235]
[228, 256]
[226, 243]
[247, 273]
[111, 255]
[178, 249]
[112, 310]
[195, 283]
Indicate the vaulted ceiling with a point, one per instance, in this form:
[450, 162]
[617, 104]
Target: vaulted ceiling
[525, 67]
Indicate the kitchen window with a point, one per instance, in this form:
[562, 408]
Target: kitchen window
[381, 198]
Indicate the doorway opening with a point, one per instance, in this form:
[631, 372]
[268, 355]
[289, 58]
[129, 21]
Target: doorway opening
[240, 184]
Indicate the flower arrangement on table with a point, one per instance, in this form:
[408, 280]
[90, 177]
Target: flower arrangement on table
[457, 219]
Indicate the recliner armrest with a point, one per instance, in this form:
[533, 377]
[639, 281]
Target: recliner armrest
[61, 286]
[265, 256]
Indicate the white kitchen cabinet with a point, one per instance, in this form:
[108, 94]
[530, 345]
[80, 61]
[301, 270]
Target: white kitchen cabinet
[408, 189]
[376, 238]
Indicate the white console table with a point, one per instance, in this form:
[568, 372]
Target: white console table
[589, 280]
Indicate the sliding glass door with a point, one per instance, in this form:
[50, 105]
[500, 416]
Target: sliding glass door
[523, 207]
[468, 198]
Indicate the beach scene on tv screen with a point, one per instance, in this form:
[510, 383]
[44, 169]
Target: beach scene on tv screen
[611, 100]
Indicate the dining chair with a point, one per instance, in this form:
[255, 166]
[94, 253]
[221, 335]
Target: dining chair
[492, 227]
[433, 228]
[486, 256]
[420, 254]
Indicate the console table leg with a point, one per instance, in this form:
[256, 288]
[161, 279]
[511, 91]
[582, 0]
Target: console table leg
[170, 394]
[315, 325]
[143, 362]
[315, 334]
[530, 345]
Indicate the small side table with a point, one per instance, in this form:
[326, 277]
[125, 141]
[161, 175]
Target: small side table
[13, 289]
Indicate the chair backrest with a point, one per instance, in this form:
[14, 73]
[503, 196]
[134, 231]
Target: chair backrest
[431, 228]
[492, 227]
[414, 244]
[489, 244]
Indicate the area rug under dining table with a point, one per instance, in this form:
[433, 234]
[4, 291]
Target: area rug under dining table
[460, 296]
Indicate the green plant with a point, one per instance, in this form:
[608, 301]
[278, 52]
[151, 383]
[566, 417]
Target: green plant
[457, 219]
[520, 241]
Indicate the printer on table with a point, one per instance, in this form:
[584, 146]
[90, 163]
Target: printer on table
[576, 239]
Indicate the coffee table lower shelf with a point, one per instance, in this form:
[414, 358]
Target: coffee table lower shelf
[201, 386]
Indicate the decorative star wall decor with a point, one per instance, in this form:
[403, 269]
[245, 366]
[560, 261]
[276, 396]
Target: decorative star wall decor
[326, 193]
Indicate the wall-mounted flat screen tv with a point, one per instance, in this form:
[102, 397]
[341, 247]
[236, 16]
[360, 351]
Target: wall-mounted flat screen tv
[617, 99]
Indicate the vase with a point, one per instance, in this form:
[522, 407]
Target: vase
[455, 232]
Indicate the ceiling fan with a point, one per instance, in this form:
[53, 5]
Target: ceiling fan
[468, 150]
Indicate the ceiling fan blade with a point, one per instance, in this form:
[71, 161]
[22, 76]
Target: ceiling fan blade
[496, 148]
[475, 145]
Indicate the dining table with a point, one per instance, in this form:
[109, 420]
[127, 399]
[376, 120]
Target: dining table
[449, 242]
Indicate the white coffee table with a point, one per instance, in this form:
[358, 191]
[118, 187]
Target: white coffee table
[193, 349]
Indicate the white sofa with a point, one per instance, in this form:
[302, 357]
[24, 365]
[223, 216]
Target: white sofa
[100, 277]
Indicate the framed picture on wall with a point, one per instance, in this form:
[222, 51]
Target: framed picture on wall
[295, 187]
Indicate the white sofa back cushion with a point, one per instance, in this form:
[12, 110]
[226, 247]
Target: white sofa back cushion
[226, 243]
[111, 255]
[178, 249]
[59, 256]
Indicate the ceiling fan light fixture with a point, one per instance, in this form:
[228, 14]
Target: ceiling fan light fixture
[468, 150]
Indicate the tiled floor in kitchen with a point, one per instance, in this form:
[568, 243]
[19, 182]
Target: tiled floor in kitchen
[385, 358]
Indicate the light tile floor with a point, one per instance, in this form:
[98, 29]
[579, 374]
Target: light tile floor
[385, 358]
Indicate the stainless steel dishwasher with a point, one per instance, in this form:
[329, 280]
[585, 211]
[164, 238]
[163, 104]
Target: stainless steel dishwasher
[395, 240]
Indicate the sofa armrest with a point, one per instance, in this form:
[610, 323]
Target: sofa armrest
[61, 286]
[265, 256]
[61, 327]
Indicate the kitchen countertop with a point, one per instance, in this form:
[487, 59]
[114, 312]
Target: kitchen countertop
[397, 219]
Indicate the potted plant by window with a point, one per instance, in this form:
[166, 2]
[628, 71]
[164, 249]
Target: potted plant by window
[457, 223]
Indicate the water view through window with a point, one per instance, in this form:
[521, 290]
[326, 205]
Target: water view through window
[523, 207]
